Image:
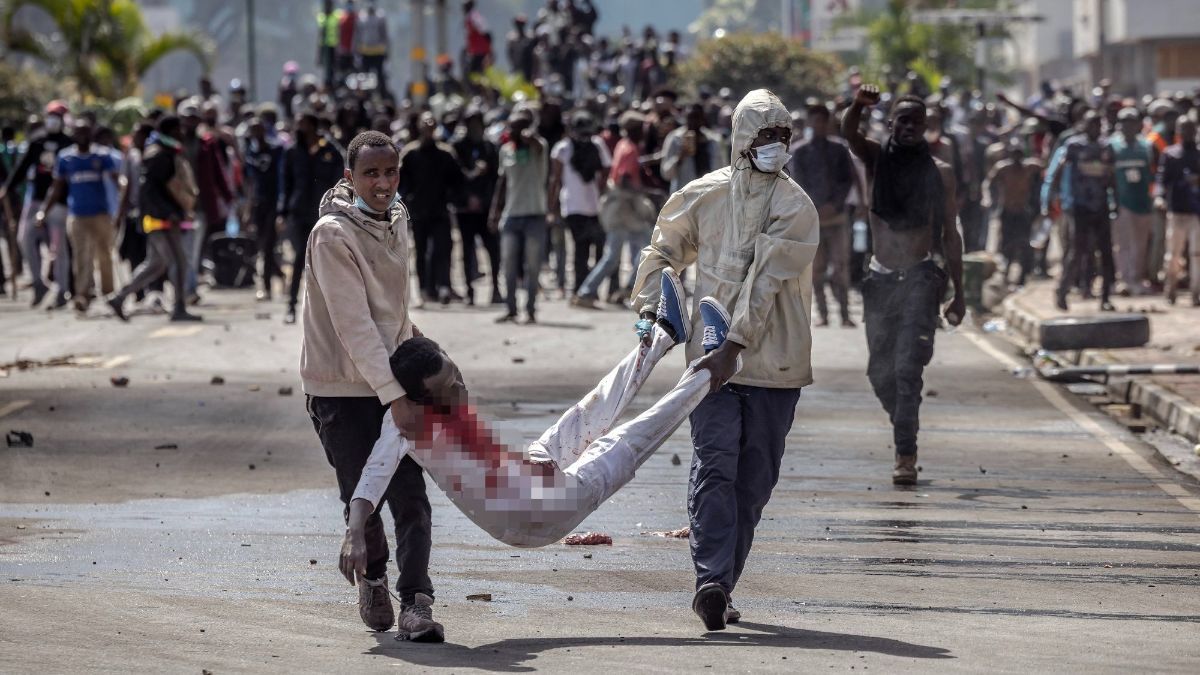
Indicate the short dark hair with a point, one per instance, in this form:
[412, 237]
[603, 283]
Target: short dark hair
[907, 98]
[168, 125]
[414, 360]
[368, 139]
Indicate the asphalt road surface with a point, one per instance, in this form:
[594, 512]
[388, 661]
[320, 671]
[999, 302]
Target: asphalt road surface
[174, 525]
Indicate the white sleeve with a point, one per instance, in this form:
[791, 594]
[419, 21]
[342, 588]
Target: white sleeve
[381, 465]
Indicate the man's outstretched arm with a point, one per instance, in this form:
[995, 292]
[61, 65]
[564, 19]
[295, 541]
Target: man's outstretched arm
[866, 149]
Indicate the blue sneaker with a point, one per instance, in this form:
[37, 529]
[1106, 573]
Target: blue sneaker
[672, 310]
[716, 323]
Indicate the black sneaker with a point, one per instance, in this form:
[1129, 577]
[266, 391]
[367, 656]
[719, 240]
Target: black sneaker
[710, 603]
[290, 317]
[507, 318]
[118, 308]
[182, 316]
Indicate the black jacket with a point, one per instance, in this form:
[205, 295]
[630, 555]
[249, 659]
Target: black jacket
[306, 178]
[41, 155]
[154, 199]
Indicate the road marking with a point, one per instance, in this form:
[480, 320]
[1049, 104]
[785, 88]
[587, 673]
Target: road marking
[176, 331]
[12, 407]
[116, 361]
[1056, 398]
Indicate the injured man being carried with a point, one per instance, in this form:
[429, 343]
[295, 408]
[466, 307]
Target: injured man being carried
[535, 496]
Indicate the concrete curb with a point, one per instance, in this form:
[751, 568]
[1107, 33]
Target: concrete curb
[1172, 411]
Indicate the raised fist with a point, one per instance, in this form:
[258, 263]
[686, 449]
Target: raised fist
[868, 95]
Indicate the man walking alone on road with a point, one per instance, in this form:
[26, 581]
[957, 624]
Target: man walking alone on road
[355, 315]
[913, 227]
[753, 233]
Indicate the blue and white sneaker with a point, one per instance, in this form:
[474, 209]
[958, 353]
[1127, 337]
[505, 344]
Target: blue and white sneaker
[716, 323]
[672, 310]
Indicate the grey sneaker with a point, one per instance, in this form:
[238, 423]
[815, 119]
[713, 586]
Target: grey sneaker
[905, 472]
[731, 614]
[374, 605]
[416, 622]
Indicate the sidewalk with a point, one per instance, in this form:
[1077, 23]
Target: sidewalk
[1171, 400]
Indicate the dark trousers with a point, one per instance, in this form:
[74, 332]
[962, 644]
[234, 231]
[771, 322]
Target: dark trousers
[974, 225]
[1092, 233]
[588, 239]
[472, 227]
[1015, 229]
[329, 64]
[901, 315]
[434, 245]
[267, 238]
[738, 436]
[373, 63]
[348, 428]
[299, 238]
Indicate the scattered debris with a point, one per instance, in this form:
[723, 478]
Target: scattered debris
[119, 382]
[1108, 567]
[285, 391]
[263, 316]
[518, 359]
[588, 539]
[82, 360]
[251, 467]
[681, 533]
[932, 393]
[587, 556]
[217, 380]
[481, 597]
[1024, 508]
[995, 326]
[312, 562]
[254, 387]
[20, 527]
[19, 439]
[167, 446]
[675, 461]
[570, 598]
[982, 470]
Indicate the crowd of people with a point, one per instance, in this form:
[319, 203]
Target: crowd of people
[606, 185]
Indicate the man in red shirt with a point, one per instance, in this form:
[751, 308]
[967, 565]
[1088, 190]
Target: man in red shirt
[479, 40]
[345, 50]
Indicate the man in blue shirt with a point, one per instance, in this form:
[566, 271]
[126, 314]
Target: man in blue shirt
[80, 171]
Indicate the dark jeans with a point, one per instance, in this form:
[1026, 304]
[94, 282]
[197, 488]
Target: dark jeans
[1015, 230]
[374, 63]
[901, 313]
[738, 436]
[348, 428]
[588, 239]
[521, 241]
[1092, 233]
[299, 237]
[267, 237]
[472, 226]
[434, 245]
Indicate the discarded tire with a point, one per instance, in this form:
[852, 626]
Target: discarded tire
[1110, 331]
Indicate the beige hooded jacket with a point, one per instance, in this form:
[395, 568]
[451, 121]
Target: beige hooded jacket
[355, 300]
[754, 236]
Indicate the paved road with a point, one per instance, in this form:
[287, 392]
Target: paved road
[1040, 538]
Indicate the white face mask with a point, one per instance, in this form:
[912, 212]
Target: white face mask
[54, 124]
[770, 158]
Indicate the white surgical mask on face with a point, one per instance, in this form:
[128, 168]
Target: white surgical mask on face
[770, 158]
[362, 205]
[54, 124]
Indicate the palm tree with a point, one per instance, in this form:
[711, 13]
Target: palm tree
[103, 45]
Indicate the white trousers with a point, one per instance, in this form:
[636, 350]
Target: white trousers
[536, 496]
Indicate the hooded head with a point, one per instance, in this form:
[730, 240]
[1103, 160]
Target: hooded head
[759, 110]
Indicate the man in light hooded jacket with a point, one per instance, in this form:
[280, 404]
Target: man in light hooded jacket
[753, 233]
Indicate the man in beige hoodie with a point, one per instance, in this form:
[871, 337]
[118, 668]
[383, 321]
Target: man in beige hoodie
[355, 315]
[753, 232]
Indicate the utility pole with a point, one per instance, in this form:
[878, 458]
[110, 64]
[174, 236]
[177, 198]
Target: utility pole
[440, 23]
[981, 21]
[251, 52]
[420, 86]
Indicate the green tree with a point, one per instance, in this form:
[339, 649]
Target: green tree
[745, 61]
[24, 91]
[897, 43]
[103, 46]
